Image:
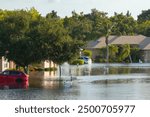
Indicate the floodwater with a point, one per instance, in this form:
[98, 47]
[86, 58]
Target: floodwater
[87, 82]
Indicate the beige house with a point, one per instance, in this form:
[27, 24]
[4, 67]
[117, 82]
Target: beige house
[4, 64]
[47, 64]
[141, 41]
[44, 74]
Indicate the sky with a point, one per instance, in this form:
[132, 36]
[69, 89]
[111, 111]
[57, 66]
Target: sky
[65, 7]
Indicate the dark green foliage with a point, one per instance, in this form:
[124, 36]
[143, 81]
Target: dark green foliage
[144, 16]
[78, 26]
[113, 51]
[123, 53]
[53, 15]
[144, 28]
[117, 53]
[50, 69]
[26, 37]
[123, 24]
[100, 23]
[144, 23]
[135, 54]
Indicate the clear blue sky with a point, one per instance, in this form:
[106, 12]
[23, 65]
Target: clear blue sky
[65, 7]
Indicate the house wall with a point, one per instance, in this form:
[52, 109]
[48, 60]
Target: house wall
[145, 56]
[47, 64]
[12, 65]
[95, 52]
[4, 64]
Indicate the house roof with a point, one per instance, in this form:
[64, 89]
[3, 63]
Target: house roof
[142, 41]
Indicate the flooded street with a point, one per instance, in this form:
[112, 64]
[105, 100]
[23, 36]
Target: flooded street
[91, 82]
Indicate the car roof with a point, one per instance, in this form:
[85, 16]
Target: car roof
[14, 71]
[85, 57]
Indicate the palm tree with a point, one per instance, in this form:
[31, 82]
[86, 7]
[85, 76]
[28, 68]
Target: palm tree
[108, 32]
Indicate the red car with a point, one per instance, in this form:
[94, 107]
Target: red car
[13, 79]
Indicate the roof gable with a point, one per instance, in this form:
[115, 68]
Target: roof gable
[142, 41]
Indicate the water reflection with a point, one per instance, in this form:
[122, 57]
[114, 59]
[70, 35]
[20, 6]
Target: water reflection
[96, 81]
[100, 69]
[95, 73]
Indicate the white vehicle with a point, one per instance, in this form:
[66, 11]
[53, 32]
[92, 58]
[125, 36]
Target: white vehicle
[86, 59]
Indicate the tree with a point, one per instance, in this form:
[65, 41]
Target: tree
[124, 24]
[123, 52]
[78, 26]
[118, 53]
[101, 26]
[12, 28]
[63, 48]
[144, 23]
[27, 37]
[113, 49]
[144, 16]
[100, 23]
[144, 28]
[53, 15]
[15, 36]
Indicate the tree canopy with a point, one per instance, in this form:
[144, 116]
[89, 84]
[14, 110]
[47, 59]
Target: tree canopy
[144, 16]
[27, 37]
[144, 23]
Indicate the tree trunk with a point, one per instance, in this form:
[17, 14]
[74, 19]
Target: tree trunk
[26, 69]
[107, 50]
[60, 71]
[17, 67]
[130, 58]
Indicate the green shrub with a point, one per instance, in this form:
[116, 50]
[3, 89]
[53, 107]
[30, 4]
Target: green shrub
[78, 62]
[11, 69]
[117, 53]
[102, 60]
[87, 53]
[31, 68]
[50, 69]
[39, 69]
[123, 52]
[135, 54]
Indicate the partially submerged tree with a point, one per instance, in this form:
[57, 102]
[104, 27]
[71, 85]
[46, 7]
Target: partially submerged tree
[19, 40]
[63, 48]
[27, 38]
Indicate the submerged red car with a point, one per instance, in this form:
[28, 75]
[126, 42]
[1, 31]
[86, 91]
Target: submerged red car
[13, 79]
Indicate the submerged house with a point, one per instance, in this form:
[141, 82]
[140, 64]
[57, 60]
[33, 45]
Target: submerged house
[142, 42]
[5, 64]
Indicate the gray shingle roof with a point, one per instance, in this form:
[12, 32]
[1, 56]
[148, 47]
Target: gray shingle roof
[142, 41]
